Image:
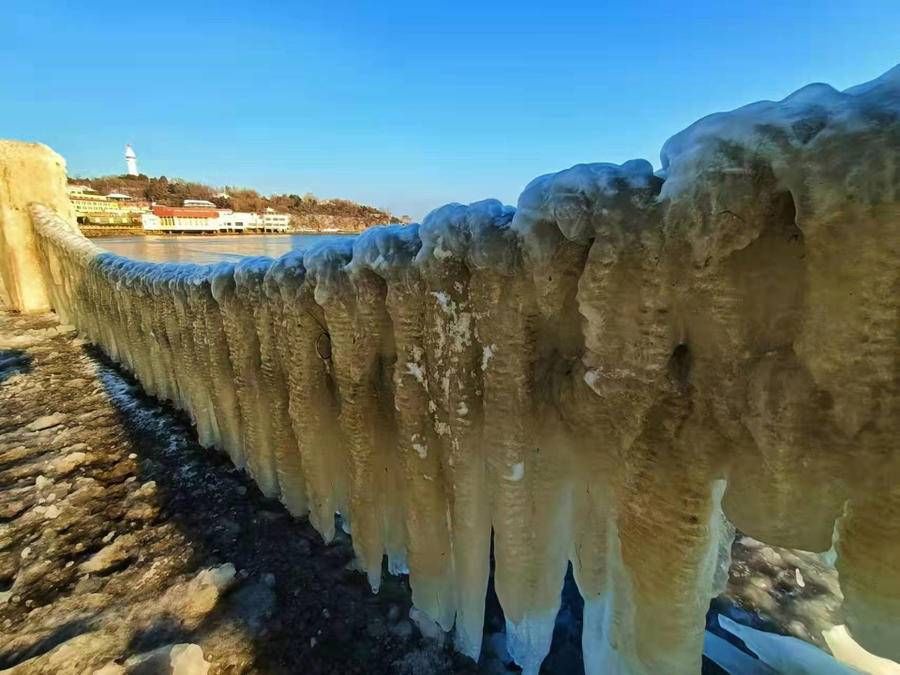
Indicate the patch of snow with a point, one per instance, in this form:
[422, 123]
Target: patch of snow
[516, 472]
[486, 355]
[786, 654]
[417, 371]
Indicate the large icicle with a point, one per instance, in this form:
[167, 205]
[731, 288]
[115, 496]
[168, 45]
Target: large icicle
[357, 331]
[243, 347]
[268, 313]
[221, 374]
[453, 378]
[305, 346]
[388, 253]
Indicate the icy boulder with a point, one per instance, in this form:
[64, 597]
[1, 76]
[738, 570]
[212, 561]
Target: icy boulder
[29, 172]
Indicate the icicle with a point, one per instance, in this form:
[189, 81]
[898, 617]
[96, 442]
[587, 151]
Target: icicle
[243, 348]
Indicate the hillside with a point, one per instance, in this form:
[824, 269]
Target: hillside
[307, 211]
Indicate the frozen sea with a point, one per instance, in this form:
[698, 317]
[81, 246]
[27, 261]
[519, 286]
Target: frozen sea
[205, 249]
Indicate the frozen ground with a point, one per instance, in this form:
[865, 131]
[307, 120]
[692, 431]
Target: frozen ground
[121, 537]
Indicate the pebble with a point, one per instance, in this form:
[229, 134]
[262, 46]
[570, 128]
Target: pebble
[46, 422]
[120, 551]
[141, 511]
[179, 659]
[68, 463]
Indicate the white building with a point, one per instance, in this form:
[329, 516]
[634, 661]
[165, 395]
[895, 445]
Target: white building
[131, 161]
[272, 221]
[244, 221]
[236, 221]
[198, 204]
[150, 221]
[189, 218]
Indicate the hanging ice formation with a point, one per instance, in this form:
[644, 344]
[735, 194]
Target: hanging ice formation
[609, 375]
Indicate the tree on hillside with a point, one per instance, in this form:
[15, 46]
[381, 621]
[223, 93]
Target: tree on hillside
[173, 192]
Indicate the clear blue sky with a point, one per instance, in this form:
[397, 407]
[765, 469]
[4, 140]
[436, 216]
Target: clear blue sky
[406, 105]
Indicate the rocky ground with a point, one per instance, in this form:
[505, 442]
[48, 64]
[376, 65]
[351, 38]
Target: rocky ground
[126, 547]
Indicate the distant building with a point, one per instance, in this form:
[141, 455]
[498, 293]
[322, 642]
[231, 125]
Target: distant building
[198, 204]
[86, 201]
[245, 221]
[151, 222]
[93, 211]
[181, 219]
[130, 161]
[209, 220]
[273, 221]
[236, 221]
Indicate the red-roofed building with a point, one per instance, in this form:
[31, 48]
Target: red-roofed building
[197, 219]
[184, 212]
[181, 219]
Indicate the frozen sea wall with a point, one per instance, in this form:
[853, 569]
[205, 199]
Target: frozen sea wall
[29, 172]
[614, 374]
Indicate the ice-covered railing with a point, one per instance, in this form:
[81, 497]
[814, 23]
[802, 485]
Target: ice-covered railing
[611, 375]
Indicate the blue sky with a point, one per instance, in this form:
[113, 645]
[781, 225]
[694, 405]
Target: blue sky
[406, 105]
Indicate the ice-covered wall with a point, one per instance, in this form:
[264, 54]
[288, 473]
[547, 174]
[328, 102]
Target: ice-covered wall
[29, 172]
[614, 374]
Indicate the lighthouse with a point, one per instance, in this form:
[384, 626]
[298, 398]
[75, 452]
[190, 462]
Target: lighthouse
[131, 161]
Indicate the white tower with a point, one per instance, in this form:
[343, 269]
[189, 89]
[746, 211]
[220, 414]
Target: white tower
[131, 161]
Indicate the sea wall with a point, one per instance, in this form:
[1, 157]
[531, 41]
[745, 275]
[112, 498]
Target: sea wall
[614, 374]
